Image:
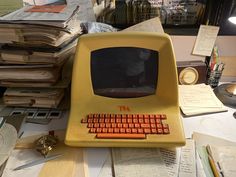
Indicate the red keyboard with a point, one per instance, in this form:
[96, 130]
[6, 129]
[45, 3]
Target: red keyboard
[131, 126]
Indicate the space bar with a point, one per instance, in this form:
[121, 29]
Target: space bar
[120, 136]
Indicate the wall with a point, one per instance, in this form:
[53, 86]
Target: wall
[183, 46]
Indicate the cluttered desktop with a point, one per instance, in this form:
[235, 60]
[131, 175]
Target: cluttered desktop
[92, 100]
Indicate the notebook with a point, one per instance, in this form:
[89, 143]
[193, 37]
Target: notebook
[199, 99]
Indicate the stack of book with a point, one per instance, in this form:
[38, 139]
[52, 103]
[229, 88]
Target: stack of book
[37, 46]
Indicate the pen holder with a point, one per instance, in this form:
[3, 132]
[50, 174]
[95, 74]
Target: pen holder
[213, 78]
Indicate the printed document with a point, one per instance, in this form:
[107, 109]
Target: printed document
[205, 40]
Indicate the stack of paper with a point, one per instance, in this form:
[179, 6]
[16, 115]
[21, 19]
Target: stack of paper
[226, 158]
[45, 74]
[37, 28]
[217, 155]
[199, 99]
[156, 162]
[33, 97]
[25, 55]
[36, 44]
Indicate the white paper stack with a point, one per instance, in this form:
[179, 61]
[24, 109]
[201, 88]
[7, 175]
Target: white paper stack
[199, 99]
[37, 29]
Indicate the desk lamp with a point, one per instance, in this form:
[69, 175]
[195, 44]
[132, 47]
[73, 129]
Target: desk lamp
[232, 17]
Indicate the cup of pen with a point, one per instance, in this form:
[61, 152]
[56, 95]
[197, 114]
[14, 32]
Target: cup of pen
[214, 75]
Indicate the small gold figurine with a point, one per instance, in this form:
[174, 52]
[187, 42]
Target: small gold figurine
[45, 144]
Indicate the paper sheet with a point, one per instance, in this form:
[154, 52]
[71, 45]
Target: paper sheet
[86, 13]
[200, 170]
[8, 137]
[201, 141]
[40, 2]
[171, 157]
[138, 163]
[37, 16]
[187, 161]
[205, 40]
[199, 95]
[225, 157]
[106, 170]
[152, 25]
[203, 155]
[199, 99]
[20, 157]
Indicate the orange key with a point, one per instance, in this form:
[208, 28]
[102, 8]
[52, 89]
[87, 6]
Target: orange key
[95, 120]
[134, 130]
[145, 125]
[123, 136]
[108, 125]
[128, 130]
[163, 116]
[107, 120]
[92, 130]
[84, 120]
[128, 120]
[110, 130]
[102, 125]
[131, 125]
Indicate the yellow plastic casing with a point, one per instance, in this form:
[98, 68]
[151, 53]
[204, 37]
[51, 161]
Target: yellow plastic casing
[164, 101]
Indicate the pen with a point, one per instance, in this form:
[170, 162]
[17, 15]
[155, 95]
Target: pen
[36, 162]
[213, 166]
[217, 172]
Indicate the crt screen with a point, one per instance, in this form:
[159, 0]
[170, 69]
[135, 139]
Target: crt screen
[124, 72]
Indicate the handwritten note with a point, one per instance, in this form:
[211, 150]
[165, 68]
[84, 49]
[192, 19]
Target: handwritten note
[138, 162]
[187, 166]
[171, 157]
[205, 40]
[200, 95]
[199, 99]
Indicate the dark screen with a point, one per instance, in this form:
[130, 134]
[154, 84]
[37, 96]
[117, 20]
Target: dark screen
[124, 72]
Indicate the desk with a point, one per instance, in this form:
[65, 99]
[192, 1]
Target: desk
[222, 125]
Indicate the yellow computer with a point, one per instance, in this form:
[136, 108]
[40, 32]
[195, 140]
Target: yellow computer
[124, 92]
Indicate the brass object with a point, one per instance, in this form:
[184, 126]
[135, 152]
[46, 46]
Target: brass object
[45, 144]
[188, 76]
[191, 72]
[231, 89]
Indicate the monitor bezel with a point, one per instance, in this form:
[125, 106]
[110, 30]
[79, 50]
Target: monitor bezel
[166, 86]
